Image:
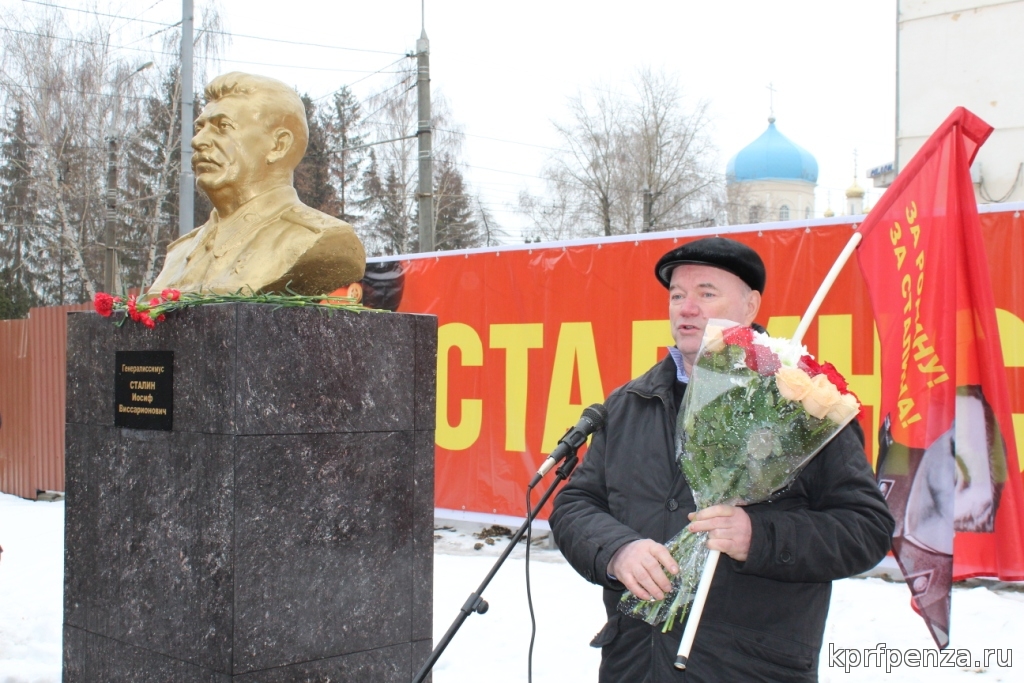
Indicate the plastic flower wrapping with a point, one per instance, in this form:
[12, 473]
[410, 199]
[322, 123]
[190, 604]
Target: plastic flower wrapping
[757, 409]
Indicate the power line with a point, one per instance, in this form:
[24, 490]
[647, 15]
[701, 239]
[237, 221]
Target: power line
[381, 70]
[223, 33]
[305, 44]
[101, 14]
[310, 68]
[174, 54]
[511, 142]
[86, 42]
[86, 92]
[497, 170]
[389, 103]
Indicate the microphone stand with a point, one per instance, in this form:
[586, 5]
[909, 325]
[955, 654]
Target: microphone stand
[476, 603]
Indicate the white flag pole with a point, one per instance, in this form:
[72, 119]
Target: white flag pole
[700, 597]
[830, 279]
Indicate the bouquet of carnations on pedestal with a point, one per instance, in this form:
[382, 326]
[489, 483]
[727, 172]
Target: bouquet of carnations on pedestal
[757, 409]
[150, 309]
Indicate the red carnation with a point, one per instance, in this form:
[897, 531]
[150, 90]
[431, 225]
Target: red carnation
[104, 304]
[161, 318]
[833, 375]
[133, 309]
[147, 321]
[739, 336]
[810, 366]
[154, 301]
[170, 294]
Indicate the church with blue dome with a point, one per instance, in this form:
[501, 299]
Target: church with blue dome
[771, 179]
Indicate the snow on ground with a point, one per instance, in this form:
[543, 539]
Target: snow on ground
[31, 590]
[493, 646]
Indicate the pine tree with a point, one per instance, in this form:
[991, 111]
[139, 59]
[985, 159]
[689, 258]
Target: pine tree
[388, 229]
[454, 224]
[348, 158]
[17, 213]
[15, 298]
[313, 174]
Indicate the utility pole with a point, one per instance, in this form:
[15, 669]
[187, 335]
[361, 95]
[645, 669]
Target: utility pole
[186, 181]
[111, 281]
[425, 195]
[648, 208]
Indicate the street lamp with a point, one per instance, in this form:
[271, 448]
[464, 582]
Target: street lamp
[111, 281]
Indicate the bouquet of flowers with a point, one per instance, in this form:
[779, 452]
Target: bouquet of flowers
[757, 409]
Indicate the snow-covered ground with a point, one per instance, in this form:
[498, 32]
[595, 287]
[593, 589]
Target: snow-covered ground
[493, 646]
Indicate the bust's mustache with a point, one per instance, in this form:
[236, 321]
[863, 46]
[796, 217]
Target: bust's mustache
[203, 159]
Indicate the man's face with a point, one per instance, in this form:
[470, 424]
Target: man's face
[698, 293]
[231, 144]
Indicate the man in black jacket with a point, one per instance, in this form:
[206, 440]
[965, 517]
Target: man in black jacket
[765, 614]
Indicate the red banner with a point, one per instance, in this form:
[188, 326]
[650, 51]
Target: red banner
[947, 442]
[530, 335]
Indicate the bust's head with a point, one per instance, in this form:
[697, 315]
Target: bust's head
[251, 133]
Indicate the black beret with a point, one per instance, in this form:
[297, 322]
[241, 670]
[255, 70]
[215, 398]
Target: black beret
[719, 252]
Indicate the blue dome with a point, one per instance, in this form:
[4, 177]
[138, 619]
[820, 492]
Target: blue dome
[772, 156]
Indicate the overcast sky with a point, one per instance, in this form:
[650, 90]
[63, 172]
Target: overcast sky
[507, 68]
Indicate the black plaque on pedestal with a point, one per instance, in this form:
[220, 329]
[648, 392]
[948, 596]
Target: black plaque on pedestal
[282, 530]
[144, 389]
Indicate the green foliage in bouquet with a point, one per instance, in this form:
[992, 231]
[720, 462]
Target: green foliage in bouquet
[740, 446]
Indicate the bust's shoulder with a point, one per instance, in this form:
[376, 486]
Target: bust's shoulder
[184, 239]
[315, 221]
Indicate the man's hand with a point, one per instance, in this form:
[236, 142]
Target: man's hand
[728, 529]
[641, 567]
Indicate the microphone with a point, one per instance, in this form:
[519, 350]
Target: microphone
[591, 421]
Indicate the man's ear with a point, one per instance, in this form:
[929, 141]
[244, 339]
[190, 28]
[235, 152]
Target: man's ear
[283, 141]
[753, 305]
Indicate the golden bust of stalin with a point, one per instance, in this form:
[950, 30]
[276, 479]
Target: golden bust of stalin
[249, 138]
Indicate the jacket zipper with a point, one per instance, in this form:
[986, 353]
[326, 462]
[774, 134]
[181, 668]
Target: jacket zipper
[652, 641]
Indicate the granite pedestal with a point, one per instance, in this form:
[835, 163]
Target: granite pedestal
[282, 530]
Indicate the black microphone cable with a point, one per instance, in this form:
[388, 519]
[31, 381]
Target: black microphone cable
[591, 421]
[529, 595]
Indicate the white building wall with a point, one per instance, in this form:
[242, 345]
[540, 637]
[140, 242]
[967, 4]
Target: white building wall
[769, 196]
[967, 53]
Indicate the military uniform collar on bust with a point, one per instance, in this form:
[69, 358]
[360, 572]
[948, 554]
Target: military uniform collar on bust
[235, 230]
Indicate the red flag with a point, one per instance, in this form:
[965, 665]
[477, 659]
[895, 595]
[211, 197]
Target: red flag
[947, 459]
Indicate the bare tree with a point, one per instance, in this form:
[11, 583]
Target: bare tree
[153, 188]
[388, 200]
[630, 164]
[65, 88]
[557, 216]
[78, 93]
[596, 154]
[671, 154]
[390, 179]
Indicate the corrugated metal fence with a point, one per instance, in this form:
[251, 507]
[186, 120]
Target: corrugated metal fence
[32, 369]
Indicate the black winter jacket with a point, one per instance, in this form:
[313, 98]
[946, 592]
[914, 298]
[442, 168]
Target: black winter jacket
[765, 617]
